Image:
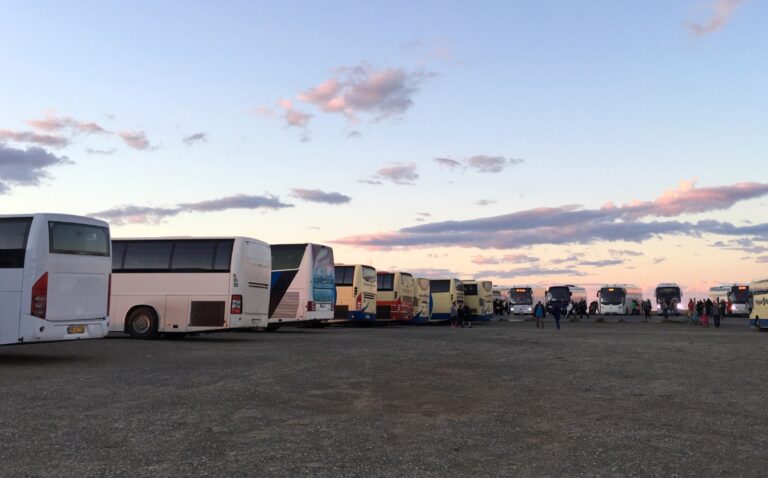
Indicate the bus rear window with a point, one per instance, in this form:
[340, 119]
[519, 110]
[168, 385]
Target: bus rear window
[385, 282]
[345, 275]
[287, 256]
[440, 286]
[79, 239]
[406, 280]
[369, 274]
[470, 289]
[13, 242]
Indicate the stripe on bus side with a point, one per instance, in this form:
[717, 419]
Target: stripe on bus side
[281, 280]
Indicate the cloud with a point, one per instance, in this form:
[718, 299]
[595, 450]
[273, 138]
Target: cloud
[529, 272]
[132, 214]
[53, 123]
[19, 167]
[374, 182]
[103, 152]
[743, 244]
[316, 195]
[53, 141]
[490, 164]
[121, 215]
[761, 259]
[354, 134]
[563, 260]
[721, 13]
[659, 260]
[506, 259]
[195, 138]
[485, 202]
[448, 163]
[624, 252]
[602, 263]
[398, 173]
[136, 140]
[364, 90]
[571, 224]
[292, 117]
[424, 214]
[238, 201]
[480, 163]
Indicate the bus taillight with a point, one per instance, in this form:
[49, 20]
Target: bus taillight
[311, 306]
[237, 305]
[40, 296]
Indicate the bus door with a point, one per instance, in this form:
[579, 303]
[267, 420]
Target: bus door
[13, 243]
[78, 271]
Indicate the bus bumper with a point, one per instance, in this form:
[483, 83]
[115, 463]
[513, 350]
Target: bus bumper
[47, 331]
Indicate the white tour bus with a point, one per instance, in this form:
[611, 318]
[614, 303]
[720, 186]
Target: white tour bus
[54, 278]
[181, 285]
[619, 299]
[303, 286]
[521, 300]
[668, 296]
[735, 295]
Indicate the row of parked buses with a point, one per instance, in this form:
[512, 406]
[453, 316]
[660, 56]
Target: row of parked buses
[63, 277]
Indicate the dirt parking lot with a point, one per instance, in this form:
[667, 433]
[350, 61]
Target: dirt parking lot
[594, 399]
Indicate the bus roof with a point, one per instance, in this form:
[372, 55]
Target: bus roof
[188, 238]
[49, 216]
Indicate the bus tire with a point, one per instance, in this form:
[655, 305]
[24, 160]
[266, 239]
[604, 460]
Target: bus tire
[142, 323]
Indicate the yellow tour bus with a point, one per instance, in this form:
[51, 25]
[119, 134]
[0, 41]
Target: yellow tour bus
[443, 293]
[478, 295]
[394, 297]
[355, 293]
[759, 316]
[422, 301]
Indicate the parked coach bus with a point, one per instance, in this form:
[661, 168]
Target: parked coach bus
[619, 299]
[54, 278]
[668, 296]
[355, 294]
[759, 316]
[422, 301]
[189, 285]
[736, 296]
[303, 287]
[394, 297]
[561, 295]
[478, 295]
[443, 293]
[521, 300]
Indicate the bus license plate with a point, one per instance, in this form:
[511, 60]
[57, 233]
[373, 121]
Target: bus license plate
[76, 329]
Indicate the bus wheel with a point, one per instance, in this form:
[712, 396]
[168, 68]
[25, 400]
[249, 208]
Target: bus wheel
[142, 323]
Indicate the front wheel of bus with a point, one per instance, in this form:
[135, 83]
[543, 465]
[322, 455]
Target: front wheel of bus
[142, 323]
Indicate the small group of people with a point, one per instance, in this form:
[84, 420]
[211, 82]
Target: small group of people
[500, 307]
[700, 311]
[574, 308]
[460, 316]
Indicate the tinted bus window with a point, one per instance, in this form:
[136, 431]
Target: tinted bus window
[223, 258]
[406, 280]
[118, 251]
[81, 239]
[148, 256]
[470, 289]
[440, 285]
[385, 282]
[193, 256]
[13, 242]
[287, 256]
[345, 275]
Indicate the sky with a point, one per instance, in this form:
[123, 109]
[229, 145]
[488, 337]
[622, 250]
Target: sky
[525, 142]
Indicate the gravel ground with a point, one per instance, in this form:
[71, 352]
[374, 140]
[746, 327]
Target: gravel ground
[594, 399]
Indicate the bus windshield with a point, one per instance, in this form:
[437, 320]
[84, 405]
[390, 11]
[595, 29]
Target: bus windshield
[521, 296]
[739, 294]
[612, 295]
[668, 293]
[13, 242]
[560, 293]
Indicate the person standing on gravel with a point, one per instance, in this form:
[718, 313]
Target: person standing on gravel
[647, 309]
[556, 312]
[716, 313]
[454, 315]
[466, 316]
[538, 313]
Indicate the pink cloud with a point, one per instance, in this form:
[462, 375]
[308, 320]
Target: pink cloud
[721, 13]
[136, 140]
[52, 122]
[54, 141]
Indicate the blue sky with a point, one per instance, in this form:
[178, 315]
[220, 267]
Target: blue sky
[603, 101]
